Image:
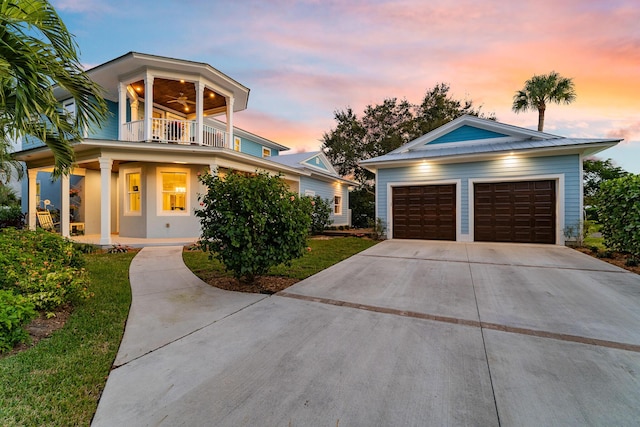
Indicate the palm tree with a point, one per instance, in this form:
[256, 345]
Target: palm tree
[37, 53]
[540, 90]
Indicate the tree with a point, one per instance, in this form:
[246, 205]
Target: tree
[540, 90]
[619, 210]
[596, 172]
[387, 126]
[252, 222]
[36, 54]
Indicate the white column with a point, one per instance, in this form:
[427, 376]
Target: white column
[148, 107]
[64, 205]
[230, 101]
[199, 112]
[32, 184]
[122, 109]
[105, 200]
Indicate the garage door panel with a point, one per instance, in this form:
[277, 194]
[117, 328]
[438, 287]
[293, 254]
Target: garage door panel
[523, 211]
[424, 212]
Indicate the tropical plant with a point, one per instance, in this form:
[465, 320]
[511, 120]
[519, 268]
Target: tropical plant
[252, 222]
[618, 204]
[36, 54]
[540, 90]
[15, 312]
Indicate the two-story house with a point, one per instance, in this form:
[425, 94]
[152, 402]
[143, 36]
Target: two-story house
[170, 121]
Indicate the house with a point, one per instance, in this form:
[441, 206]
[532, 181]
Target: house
[321, 179]
[137, 175]
[474, 179]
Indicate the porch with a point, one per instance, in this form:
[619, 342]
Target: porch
[177, 131]
[134, 242]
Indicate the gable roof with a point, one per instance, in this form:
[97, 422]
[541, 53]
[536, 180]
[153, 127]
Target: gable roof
[306, 161]
[468, 137]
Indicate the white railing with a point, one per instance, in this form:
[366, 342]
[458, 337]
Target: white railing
[213, 137]
[176, 131]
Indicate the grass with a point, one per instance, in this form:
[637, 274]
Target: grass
[59, 381]
[324, 253]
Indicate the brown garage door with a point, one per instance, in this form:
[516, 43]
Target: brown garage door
[522, 212]
[424, 212]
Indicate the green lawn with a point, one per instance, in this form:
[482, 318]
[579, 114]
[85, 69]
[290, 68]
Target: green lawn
[324, 253]
[58, 382]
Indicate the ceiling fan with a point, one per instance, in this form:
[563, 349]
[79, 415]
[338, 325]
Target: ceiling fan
[182, 99]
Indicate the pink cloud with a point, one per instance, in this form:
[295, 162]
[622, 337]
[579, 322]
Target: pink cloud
[628, 133]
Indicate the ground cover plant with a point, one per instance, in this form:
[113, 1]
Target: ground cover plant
[58, 382]
[41, 271]
[320, 254]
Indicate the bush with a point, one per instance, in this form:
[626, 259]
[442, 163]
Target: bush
[15, 312]
[619, 212]
[378, 229]
[321, 215]
[11, 216]
[251, 223]
[362, 204]
[43, 267]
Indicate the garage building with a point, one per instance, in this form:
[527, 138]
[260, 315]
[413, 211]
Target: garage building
[475, 179]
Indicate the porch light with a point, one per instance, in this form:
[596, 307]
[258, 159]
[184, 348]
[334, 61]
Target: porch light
[212, 95]
[181, 80]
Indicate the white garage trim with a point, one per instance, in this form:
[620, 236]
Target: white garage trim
[391, 185]
[558, 178]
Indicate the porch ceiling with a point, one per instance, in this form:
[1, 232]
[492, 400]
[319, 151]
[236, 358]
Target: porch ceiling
[165, 91]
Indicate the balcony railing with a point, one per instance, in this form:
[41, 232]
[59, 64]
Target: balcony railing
[177, 132]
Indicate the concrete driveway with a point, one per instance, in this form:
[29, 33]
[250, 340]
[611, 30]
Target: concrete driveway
[405, 333]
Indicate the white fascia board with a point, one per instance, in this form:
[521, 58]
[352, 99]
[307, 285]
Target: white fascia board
[467, 158]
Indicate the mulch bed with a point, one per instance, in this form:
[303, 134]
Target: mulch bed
[262, 285]
[617, 259]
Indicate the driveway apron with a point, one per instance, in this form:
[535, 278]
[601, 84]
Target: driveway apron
[405, 333]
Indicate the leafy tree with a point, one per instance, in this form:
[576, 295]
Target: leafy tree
[362, 202]
[321, 214]
[618, 204]
[36, 53]
[252, 222]
[540, 90]
[385, 127]
[596, 172]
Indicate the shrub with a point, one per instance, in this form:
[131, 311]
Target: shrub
[631, 262]
[43, 267]
[11, 216]
[619, 212]
[321, 215]
[378, 228]
[251, 223]
[15, 312]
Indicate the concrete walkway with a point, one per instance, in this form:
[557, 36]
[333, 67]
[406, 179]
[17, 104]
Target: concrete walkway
[405, 333]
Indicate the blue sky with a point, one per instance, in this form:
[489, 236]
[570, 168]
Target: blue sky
[304, 60]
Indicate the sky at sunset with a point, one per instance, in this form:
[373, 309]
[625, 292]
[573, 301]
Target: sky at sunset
[304, 60]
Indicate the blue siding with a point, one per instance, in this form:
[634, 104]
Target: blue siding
[466, 133]
[327, 191]
[494, 170]
[253, 148]
[317, 162]
[49, 189]
[29, 142]
[109, 128]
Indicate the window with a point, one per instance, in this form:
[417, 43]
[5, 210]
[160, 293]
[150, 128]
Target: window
[236, 144]
[174, 197]
[134, 187]
[266, 152]
[337, 205]
[69, 107]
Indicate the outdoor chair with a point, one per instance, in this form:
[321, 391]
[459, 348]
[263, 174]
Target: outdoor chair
[46, 222]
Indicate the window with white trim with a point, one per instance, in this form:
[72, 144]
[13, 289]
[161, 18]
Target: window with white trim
[174, 191]
[337, 205]
[266, 152]
[133, 183]
[237, 144]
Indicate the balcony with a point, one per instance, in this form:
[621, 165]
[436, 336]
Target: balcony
[177, 132]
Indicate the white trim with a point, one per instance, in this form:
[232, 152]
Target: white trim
[391, 185]
[160, 211]
[239, 141]
[125, 191]
[558, 178]
[266, 149]
[337, 207]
